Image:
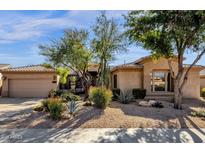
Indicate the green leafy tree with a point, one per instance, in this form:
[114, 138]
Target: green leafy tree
[108, 40]
[71, 52]
[63, 73]
[169, 33]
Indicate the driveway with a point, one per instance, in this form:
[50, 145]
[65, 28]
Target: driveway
[12, 106]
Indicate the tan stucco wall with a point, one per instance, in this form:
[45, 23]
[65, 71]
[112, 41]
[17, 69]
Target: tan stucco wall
[192, 86]
[150, 66]
[128, 79]
[10, 76]
[202, 82]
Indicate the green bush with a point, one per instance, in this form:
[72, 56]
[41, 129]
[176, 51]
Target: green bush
[125, 97]
[116, 93]
[38, 108]
[203, 92]
[139, 93]
[55, 108]
[100, 96]
[70, 97]
[45, 104]
[55, 93]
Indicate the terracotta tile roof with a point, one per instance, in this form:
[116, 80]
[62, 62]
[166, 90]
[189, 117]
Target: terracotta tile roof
[30, 68]
[195, 66]
[4, 66]
[202, 73]
[128, 65]
[147, 57]
[137, 64]
[141, 59]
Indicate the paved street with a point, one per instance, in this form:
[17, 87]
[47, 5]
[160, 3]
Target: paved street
[107, 135]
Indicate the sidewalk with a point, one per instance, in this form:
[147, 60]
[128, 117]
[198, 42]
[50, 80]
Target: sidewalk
[106, 135]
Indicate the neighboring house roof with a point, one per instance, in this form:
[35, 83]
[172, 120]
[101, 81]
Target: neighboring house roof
[93, 67]
[30, 68]
[4, 66]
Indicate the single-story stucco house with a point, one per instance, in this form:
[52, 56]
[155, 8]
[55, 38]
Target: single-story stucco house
[154, 76]
[144, 73]
[28, 81]
[202, 79]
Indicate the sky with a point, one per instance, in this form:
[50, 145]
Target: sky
[21, 33]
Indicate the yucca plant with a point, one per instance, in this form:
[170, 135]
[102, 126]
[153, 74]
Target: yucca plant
[72, 106]
[125, 97]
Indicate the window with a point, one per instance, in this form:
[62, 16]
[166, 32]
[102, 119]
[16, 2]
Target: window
[162, 81]
[115, 81]
[54, 79]
[159, 81]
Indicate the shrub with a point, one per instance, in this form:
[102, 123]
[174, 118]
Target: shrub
[125, 97]
[55, 93]
[139, 93]
[116, 93]
[198, 113]
[55, 108]
[203, 92]
[72, 106]
[100, 96]
[38, 108]
[70, 97]
[45, 104]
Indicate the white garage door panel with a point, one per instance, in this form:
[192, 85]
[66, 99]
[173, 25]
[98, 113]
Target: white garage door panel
[29, 87]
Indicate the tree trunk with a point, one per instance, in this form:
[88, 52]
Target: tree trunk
[177, 85]
[86, 96]
[86, 86]
[177, 95]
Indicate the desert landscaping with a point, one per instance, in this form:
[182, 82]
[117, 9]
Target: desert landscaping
[116, 115]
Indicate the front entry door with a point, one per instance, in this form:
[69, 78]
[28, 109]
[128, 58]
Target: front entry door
[161, 81]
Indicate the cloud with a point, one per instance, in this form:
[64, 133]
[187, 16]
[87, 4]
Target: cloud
[18, 26]
[29, 27]
[22, 31]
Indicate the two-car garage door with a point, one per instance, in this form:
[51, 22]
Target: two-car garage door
[29, 87]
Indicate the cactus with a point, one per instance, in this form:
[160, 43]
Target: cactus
[72, 106]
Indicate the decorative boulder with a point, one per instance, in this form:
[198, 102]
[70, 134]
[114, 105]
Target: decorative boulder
[152, 102]
[145, 103]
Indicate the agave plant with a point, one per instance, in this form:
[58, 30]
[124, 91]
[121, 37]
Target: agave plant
[72, 106]
[125, 97]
